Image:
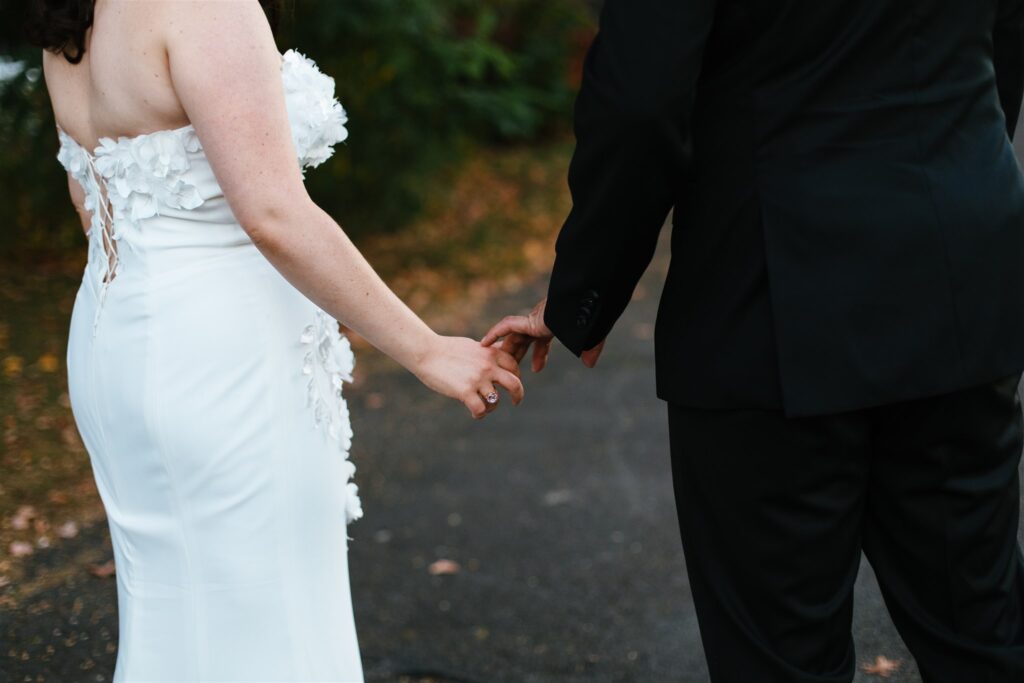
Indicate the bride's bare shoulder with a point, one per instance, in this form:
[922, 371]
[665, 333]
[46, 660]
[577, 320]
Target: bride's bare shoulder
[225, 22]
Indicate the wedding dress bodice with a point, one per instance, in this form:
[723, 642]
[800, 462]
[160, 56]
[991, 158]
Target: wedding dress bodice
[157, 211]
[166, 173]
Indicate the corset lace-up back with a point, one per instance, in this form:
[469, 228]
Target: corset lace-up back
[125, 182]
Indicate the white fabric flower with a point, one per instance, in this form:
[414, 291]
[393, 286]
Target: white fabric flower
[317, 118]
[72, 157]
[328, 362]
[145, 174]
[353, 506]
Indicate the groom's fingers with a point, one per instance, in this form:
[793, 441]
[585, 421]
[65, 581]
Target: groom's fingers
[508, 361]
[541, 349]
[516, 345]
[590, 356]
[508, 345]
[508, 325]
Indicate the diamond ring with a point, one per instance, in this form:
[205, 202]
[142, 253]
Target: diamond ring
[492, 398]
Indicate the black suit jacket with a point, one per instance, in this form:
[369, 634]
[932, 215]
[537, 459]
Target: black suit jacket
[849, 212]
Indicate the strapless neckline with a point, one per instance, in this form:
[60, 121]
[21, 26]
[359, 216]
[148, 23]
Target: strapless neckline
[121, 139]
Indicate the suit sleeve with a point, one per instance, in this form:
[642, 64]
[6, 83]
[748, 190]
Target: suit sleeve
[632, 121]
[1008, 41]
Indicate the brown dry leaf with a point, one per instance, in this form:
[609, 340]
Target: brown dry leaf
[22, 517]
[71, 439]
[48, 362]
[44, 422]
[444, 568]
[20, 548]
[13, 366]
[68, 529]
[104, 570]
[57, 497]
[882, 667]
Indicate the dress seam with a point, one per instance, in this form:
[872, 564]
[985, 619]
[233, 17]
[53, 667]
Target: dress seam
[156, 415]
[279, 446]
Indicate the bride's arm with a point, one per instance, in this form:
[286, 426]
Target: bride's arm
[226, 70]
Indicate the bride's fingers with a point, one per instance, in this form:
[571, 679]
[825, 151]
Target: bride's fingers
[511, 383]
[508, 361]
[476, 405]
[487, 390]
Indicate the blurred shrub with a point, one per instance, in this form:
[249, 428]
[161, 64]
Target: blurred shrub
[420, 79]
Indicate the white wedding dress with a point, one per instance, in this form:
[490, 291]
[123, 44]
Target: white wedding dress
[207, 391]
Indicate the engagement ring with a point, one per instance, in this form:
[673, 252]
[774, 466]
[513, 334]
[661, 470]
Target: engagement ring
[492, 398]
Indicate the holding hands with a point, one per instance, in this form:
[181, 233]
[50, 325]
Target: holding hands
[471, 371]
[467, 371]
[518, 332]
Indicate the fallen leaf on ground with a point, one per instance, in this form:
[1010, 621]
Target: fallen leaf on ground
[444, 568]
[20, 520]
[57, 497]
[882, 666]
[13, 366]
[20, 548]
[102, 570]
[68, 529]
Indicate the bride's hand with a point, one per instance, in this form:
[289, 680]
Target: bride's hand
[465, 370]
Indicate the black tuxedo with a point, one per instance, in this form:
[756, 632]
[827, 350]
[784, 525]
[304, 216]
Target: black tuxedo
[849, 213]
[842, 327]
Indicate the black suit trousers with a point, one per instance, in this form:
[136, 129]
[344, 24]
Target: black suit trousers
[776, 511]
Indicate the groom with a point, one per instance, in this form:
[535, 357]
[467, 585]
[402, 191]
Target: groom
[842, 328]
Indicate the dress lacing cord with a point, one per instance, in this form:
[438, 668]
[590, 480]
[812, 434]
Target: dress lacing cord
[106, 236]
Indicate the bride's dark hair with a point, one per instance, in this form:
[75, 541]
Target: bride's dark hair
[60, 25]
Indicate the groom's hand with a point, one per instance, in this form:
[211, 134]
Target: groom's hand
[519, 332]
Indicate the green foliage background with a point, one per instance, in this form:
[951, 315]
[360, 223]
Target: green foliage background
[423, 81]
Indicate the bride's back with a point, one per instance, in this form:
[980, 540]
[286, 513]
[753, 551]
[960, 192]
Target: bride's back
[122, 86]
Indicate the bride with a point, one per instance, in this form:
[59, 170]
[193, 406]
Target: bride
[205, 364]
